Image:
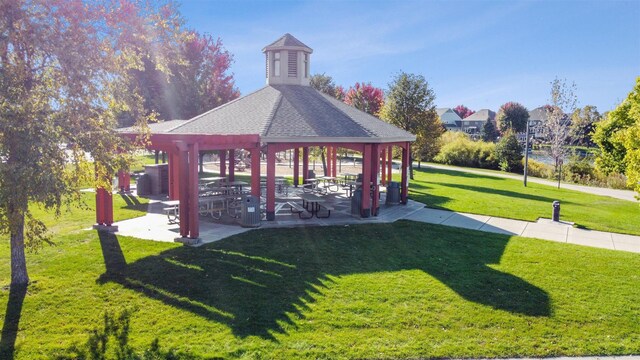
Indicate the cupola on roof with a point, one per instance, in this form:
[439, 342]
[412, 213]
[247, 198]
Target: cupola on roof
[287, 110]
[288, 61]
[287, 41]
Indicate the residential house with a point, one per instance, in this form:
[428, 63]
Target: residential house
[473, 123]
[449, 119]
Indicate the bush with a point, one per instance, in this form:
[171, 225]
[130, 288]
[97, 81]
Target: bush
[458, 149]
[539, 169]
[509, 153]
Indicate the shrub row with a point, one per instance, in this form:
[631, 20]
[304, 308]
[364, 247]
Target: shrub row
[458, 149]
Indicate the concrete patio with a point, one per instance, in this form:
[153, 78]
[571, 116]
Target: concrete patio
[155, 225]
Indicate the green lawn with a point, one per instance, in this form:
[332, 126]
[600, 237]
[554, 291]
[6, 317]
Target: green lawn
[489, 195]
[403, 290]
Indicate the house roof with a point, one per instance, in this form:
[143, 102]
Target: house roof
[538, 113]
[441, 111]
[481, 115]
[288, 113]
[287, 41]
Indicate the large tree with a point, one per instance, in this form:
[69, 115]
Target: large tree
[609, 134]
[324, 83]
[618, 137]
[195, 79]
[463, 111]
[512, 116]
[582, 125]
[365, 97]
[410, 106]
[63, 70]
[555, 127]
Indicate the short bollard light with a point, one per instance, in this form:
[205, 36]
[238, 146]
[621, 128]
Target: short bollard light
[556, 211]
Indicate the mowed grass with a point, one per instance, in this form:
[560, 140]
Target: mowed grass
[489, 195]
[403, 290]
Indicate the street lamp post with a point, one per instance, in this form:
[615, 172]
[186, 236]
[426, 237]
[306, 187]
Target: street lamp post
[526, 154]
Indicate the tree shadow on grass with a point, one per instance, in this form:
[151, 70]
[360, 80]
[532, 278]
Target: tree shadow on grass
[507, 193]
[458, 173]
[258, 281]
[11, 323]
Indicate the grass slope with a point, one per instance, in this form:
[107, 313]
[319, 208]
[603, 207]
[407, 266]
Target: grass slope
[489, 195]
[403, 290]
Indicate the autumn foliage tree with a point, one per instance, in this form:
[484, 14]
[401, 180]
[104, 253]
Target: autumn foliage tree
[65, 67]
[463, 111]
[512, 116]
[195, 80]
[365, 97]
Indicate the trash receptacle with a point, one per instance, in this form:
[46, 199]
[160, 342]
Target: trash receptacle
[556, 211]
[356, 202]
[250, 215]
[393, 193]
[311, 174]
[143, 185]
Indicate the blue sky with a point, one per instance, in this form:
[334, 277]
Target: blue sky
[477, 53]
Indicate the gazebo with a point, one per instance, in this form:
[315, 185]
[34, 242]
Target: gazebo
[285, 114]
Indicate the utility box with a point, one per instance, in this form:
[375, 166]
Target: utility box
[250, 215]
[556, 211]
[159, 177]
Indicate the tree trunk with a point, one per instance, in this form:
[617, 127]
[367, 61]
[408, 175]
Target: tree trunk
[324, 161]
[410, 167]
[19, 274]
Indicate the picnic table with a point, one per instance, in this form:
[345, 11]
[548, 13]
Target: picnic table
[172, 209]
[312, 203]
[328, 182]
[348, 177]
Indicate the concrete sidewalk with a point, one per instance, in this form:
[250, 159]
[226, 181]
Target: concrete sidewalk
[544, 229]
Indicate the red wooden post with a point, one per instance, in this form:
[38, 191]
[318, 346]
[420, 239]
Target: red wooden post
[383, 166]
[375, 166]
[405, 179]
[271, 183]
[305, 164]
[184, 192]
[329, 160]
[334, 168]
[365, 210]
[223, 162]
[255, 171]
[232, 165]
[108, 207]
[194, 226]
[296, 166]
[100, 206]
[390, 163]
[174, 176]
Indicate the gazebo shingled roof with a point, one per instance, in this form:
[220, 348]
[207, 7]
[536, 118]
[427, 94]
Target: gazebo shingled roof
[286, 113]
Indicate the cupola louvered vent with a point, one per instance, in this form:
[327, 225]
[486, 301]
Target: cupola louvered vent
[293, 64]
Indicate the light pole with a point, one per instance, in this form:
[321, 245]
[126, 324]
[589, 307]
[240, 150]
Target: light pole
[526, 154]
